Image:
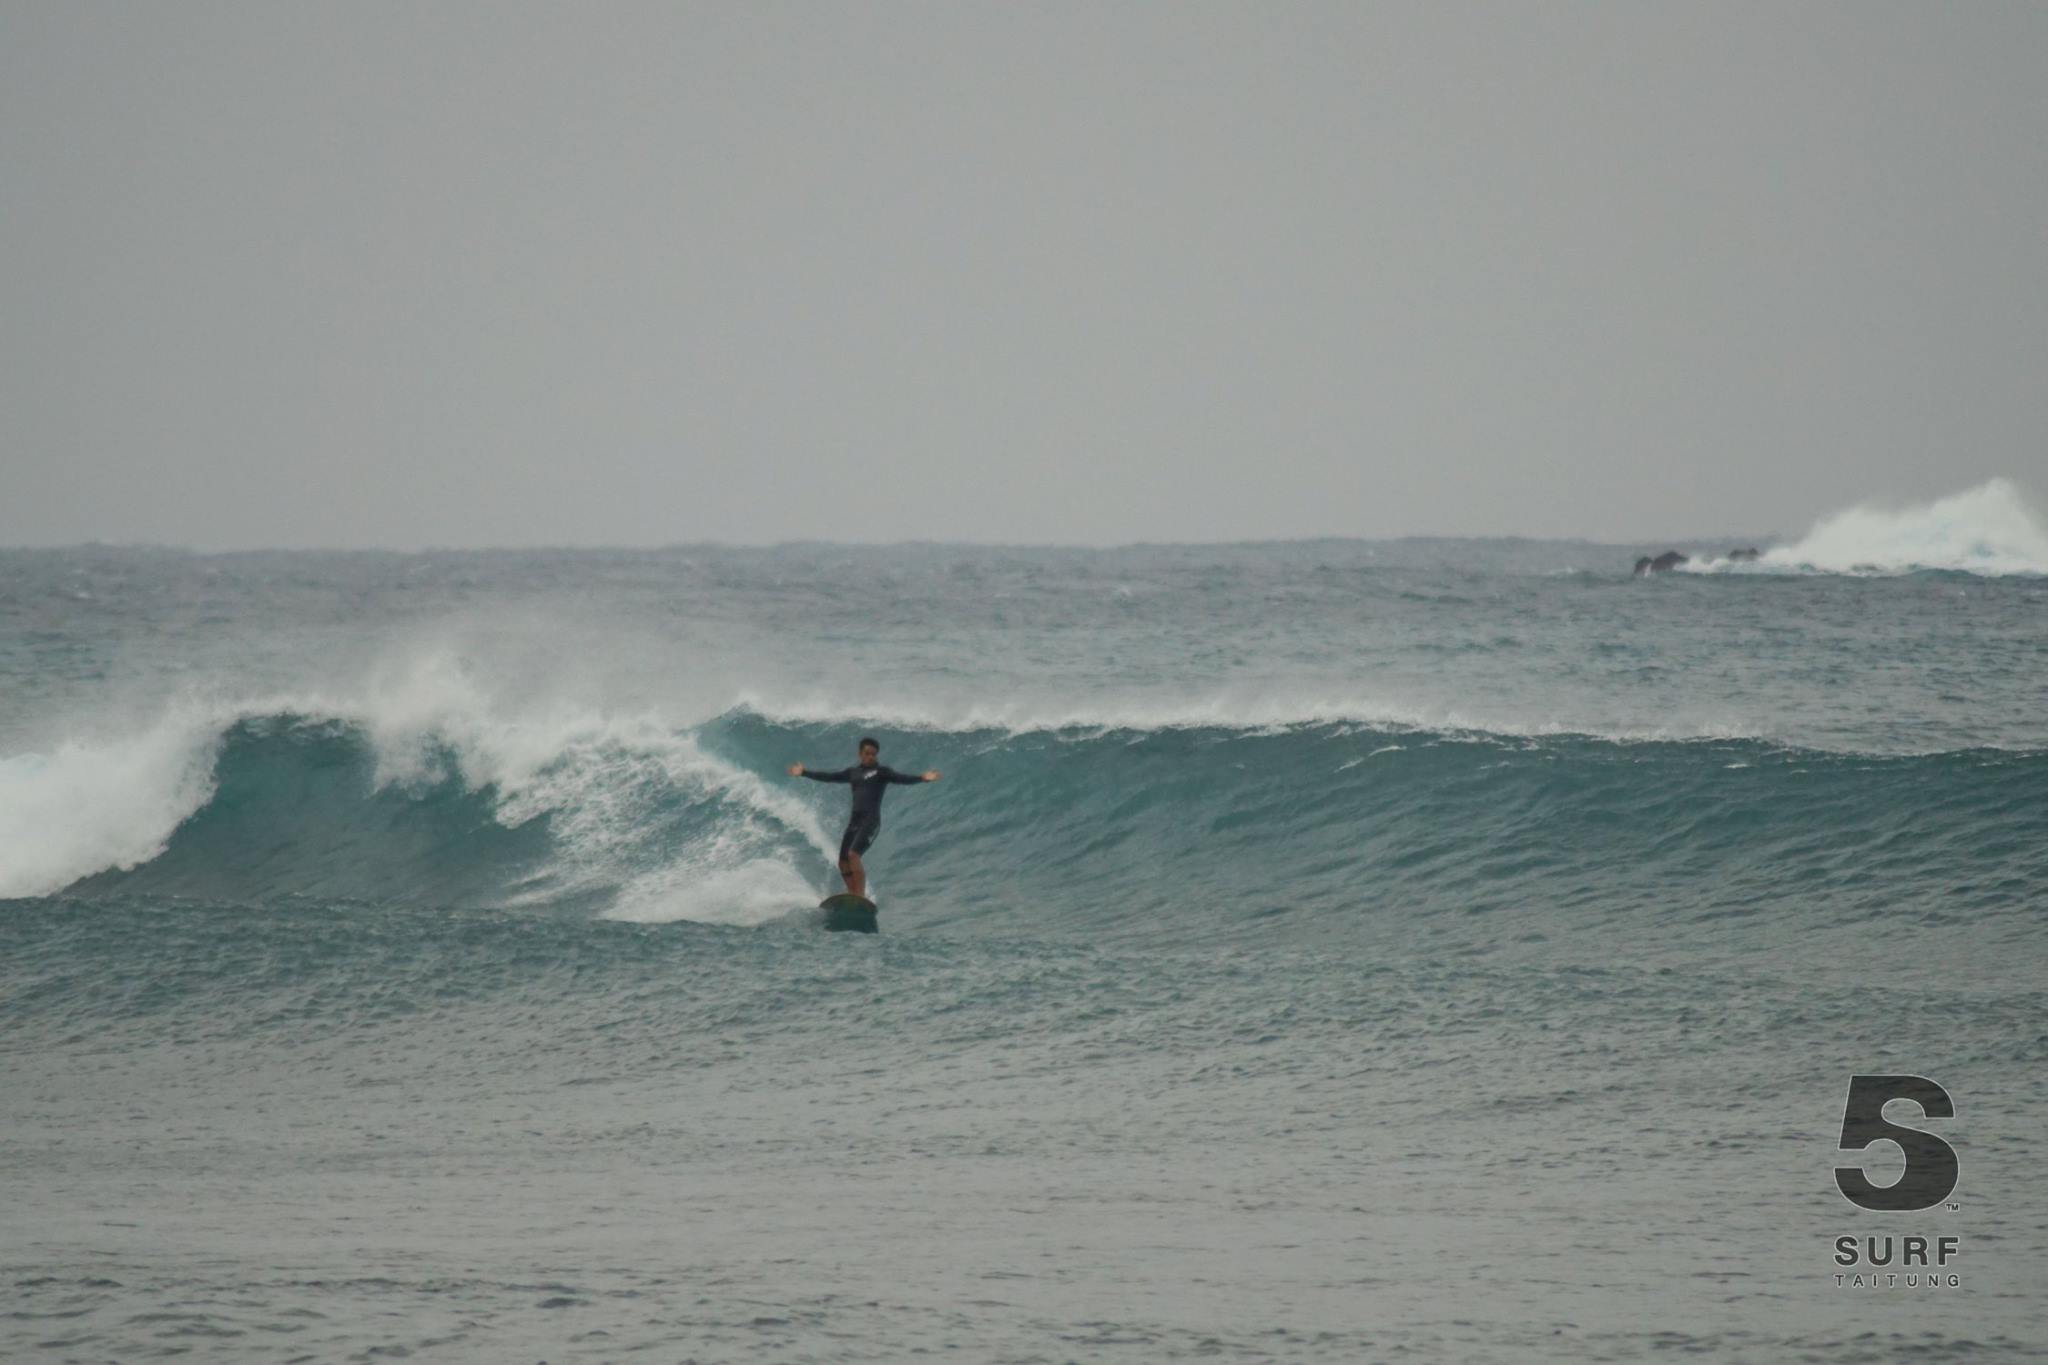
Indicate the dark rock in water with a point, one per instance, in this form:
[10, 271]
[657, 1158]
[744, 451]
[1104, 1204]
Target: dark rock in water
[1663, 563]
[1744, 556]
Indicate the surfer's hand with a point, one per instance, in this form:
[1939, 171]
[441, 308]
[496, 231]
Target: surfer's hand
[796, 770]
[932, 776]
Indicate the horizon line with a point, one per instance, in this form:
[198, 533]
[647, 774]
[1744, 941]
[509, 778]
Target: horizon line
[803, 542]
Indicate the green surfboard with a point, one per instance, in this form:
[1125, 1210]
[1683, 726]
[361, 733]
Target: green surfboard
[849, 913]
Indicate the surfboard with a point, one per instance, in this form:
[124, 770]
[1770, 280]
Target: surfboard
[849, 913]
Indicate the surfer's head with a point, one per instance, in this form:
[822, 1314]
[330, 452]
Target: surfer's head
[870, 750]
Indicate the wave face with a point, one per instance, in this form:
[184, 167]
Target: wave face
[1299, 831]
[1339, 829]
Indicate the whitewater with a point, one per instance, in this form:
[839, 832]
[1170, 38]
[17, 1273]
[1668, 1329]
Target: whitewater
[1333, 950]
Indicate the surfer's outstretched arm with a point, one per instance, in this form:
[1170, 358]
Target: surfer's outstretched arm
[799, 770]
[909, 779]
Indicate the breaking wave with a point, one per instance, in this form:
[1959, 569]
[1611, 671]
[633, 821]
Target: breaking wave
[1101, 828]
[1989, 530]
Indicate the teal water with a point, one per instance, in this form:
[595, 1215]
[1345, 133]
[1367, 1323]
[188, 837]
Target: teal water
[1328, 951]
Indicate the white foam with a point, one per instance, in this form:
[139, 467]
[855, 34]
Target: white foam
[91, 804]
[749, 893]
[1988, 530]
[604, 788]
[1246, 712]
[604, 778]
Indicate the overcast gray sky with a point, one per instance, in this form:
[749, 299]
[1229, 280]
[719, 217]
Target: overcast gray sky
[468, 274]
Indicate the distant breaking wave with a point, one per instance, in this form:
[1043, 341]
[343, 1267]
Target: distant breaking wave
[1987, 530]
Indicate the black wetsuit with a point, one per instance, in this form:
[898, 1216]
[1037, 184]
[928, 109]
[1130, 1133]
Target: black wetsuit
[868, 785]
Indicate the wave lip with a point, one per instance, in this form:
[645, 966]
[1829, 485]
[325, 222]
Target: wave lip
[1252, 712]
[88, 805]
[1988, 530]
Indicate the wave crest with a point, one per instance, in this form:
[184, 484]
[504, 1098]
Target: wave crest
[1988, 530]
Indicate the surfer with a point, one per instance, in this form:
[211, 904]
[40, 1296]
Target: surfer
[869, 779]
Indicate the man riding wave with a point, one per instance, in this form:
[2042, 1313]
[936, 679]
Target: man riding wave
[869, 779]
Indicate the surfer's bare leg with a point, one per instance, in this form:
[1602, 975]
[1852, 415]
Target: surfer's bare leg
[856, 876]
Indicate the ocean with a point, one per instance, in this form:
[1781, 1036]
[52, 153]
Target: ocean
[1420, 950]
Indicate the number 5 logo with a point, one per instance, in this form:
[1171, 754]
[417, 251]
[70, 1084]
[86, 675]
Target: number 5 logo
[1931, 1164]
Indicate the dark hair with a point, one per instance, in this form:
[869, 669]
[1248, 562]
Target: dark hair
[869, 742]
